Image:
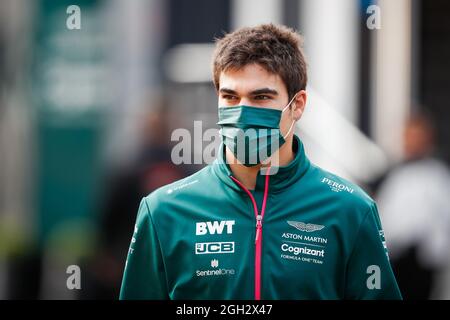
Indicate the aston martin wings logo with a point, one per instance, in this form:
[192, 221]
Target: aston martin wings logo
[307, 227]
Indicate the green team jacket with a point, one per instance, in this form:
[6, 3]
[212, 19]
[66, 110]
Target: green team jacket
[302, 233]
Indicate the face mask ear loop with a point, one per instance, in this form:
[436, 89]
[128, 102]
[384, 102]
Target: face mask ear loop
[293, 121]
[287, 106]
[292, 125]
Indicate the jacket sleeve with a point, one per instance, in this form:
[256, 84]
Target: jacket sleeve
[369, 273]
[144, 276]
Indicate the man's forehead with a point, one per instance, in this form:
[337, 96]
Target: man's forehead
[250, 78]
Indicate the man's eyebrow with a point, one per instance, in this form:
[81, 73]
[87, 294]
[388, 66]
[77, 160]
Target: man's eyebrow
[264, 91]
[254, 92]
[226, 90]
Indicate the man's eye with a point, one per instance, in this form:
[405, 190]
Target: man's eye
[262, 97]
[228, 97]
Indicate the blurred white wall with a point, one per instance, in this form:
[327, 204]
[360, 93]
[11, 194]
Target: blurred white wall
[140, 29]
[331, 30]
[253, 12]
[392, 76]
[335, 144]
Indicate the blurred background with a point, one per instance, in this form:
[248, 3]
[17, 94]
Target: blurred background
[86, 118]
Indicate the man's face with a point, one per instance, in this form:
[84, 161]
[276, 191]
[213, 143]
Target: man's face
[253, 86]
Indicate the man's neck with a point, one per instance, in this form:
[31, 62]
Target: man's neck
[247, 175]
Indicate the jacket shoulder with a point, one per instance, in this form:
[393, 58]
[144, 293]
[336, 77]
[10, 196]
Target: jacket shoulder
[186, 187]
[347, 193]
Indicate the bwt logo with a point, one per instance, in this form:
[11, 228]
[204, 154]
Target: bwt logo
[213, 227]
[214, 247]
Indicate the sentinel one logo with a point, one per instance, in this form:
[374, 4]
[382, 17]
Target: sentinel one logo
[337, 187]
[215, 272]
[214, 227]
[214, 247]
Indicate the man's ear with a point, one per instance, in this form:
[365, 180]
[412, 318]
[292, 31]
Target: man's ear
[299, 104]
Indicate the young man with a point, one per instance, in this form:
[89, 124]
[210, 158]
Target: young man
[265, 223]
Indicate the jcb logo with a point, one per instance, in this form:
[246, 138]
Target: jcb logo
[214, 247]
[214, 227]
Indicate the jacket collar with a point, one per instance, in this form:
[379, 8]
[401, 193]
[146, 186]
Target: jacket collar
[282, 179]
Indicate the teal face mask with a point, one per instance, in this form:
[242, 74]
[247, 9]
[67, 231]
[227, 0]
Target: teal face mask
[252, 133]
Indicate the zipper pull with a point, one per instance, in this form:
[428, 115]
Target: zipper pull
[258, 227]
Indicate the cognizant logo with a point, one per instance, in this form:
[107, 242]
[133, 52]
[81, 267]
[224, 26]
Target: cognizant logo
[304, 250]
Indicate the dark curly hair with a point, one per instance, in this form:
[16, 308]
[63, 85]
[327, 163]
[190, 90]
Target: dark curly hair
[278, 49]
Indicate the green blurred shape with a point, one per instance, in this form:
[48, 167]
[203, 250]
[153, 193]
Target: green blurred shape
[68, 126]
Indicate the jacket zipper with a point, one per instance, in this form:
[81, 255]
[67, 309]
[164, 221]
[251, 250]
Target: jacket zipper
[258, 237]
